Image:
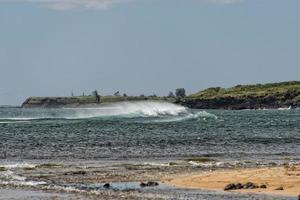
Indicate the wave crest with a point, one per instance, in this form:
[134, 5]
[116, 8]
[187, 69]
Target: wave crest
[139, 109]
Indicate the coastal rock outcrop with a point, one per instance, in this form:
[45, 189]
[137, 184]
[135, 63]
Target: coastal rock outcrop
[259, 96]
[279, 188]
[149, 184]
[248, 185]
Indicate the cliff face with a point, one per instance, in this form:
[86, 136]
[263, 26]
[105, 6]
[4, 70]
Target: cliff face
[274, 95]
[231, 103]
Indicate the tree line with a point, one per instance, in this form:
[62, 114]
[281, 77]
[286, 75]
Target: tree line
[179, 93]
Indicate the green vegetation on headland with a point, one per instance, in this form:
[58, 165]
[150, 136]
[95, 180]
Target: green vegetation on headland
[258, 96]
[78, 101]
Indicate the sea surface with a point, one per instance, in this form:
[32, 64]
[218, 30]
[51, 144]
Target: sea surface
[145, 132]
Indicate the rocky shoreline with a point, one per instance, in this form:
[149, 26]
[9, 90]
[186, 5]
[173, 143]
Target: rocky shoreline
[112, 180]
[231, 103]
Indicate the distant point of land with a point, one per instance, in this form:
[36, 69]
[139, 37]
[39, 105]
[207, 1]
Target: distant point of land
[257, 96]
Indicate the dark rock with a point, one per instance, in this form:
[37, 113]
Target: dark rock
[263, 186]
[75, 173]
[238, 186]
[106, 185]
[143, 184]
[79, 173]
[250, 185]
[279, 188]
[230, 186]
[149, 184]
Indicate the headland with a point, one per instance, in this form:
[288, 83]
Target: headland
[258, 96]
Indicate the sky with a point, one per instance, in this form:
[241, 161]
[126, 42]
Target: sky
[54, 47]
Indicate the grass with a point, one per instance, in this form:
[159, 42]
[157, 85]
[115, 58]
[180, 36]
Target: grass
[280, 90]
[90, 99]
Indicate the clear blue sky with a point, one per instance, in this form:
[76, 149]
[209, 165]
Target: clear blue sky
[144, 46]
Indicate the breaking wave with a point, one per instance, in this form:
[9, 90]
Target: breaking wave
[161, 111]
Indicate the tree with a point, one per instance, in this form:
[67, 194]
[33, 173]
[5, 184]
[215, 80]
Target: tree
[171, 95]
[180, 92]
[124, 95]
[117, 93]
[97, 96]
[95, 93]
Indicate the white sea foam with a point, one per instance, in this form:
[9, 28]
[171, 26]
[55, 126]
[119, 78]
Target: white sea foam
[157, 164]
[220, 164]
[11, 176]
[23, 183]
[132, 109]
[137, 109]
[188, 116]
[18, 165]
[285, 108]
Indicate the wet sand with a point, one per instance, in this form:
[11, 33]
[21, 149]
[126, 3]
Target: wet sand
[287, 177]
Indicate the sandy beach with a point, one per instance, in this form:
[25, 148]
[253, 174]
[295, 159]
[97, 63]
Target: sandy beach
[287, 177]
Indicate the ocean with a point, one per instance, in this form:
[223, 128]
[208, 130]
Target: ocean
[129, 142]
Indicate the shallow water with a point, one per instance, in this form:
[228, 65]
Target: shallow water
[148, 132]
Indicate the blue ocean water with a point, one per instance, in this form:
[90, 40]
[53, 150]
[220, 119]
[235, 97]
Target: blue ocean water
[149, 130]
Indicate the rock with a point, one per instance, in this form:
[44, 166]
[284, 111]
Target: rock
[76, 173]
[149, 184]
[263, 186]
[230, 186]
[238, 186]
[299, 197]
[152, 183]
[279, 188]
[249, 185]
[106, 185]
[143, 184]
